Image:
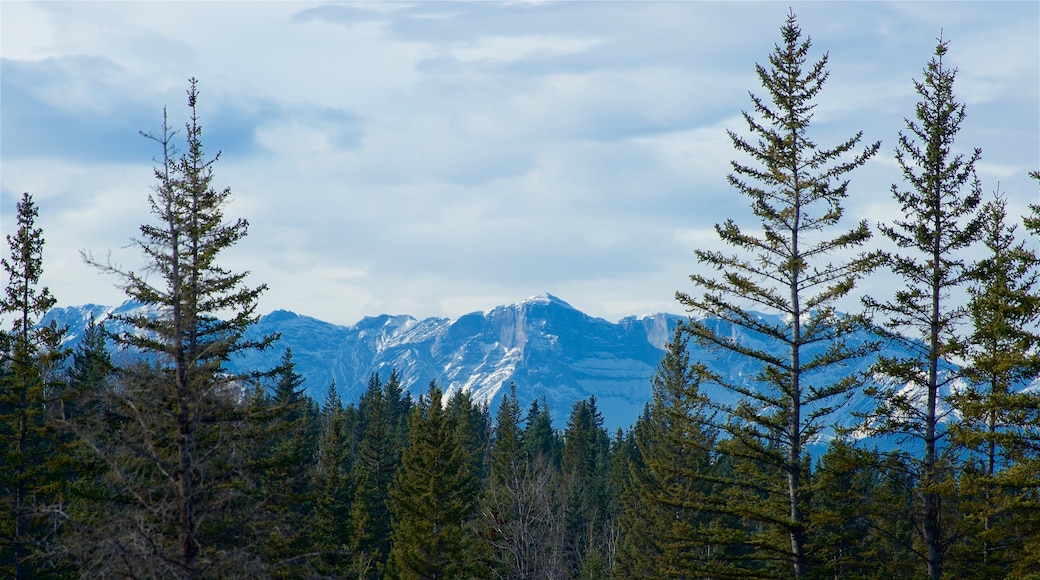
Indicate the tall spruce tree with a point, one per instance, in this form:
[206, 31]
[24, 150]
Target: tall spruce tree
[283, 439]
[434, 499]
[382, 416]
[862, 524]
[585, 465]
[90, 371]
[1028, 466]
[173, 429]
[331, 484]
[796, 190]
[942, 220]
[31, 479]
[540, 438]
[506, 513]
[1000, 417]
[667, 517]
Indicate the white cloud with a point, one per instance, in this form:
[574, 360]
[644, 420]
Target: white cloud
[439, 158]
[512, 48]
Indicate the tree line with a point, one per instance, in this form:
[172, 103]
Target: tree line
[170, 466]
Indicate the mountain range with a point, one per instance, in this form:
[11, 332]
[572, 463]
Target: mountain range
[553, 352]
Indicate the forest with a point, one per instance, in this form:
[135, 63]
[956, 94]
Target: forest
[169, 466]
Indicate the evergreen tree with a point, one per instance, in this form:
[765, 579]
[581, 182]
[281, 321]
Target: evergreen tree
[507, 449]
[796, 190]
[862, 507]
[540, 439]
[283, 441]
[91, 366]
[941, 221]
[332, 487]
[522, 506]
[1000, 418]
[504, 508]
[91, 372]
[1028, 466]
[475, 426]
[667, 501]
[173, 429]
[434, 499]
[31, 480]
[382, 415]
[585, 471]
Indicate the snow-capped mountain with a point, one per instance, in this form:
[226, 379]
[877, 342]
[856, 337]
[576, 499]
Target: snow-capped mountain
[552, 351]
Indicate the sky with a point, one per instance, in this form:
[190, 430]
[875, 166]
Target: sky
[436, 159]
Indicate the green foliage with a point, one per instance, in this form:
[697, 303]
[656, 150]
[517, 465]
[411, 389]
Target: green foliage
[1000, 419]
[668, 516]
[173, 432]
[862, 515]
[33, 479]
[434, 497]
[941, 222]
[382, 414]
[282, 441]
[796, 190]
[507, 449]
[585, 468]
[540, 439]
[332, 486]
[523, 508]
[91, 372]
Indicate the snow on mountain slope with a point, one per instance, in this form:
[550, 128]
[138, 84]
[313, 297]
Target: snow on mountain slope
[554, 353]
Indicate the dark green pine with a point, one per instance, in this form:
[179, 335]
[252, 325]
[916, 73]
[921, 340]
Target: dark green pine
[332, 488]
[33, 479]
[782, 264]
[1000, 417]
[382, 415]
[176, 428]
[940, 202]
[585, 469]
[434, 499]
[667, 518]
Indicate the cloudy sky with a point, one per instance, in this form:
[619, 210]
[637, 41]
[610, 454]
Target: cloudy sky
[439, 158]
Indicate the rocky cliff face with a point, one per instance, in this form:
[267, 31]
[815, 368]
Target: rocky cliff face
[554, 353]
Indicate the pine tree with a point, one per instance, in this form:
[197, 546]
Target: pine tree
[382, 416]
[796, 190]
[283, 441]
[505, 509]
[31, 481]
[90, 372]
[522, 507]
[332, 487]
[941, 221]
[667, 501]
[91, 366]
[522, 503]
[540, 439]
[862, 515]
[585, 471]
[475, 426]
[1028, 466]
[174, 426]
[434, 499]
[1000, 418]
[507, 449]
